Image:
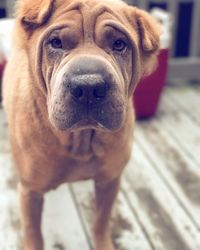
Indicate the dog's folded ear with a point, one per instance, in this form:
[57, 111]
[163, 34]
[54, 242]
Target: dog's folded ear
[34, 13]
[149, 31]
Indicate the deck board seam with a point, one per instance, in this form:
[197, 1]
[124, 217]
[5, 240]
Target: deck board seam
[169, 187]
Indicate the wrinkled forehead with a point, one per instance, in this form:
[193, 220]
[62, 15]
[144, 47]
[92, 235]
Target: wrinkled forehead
[89, 12]
[91, 3]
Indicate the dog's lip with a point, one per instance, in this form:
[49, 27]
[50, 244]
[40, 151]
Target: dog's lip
[87, 123]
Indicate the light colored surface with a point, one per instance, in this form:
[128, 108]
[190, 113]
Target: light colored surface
[6, 27]
[186, 67]
[158, 207]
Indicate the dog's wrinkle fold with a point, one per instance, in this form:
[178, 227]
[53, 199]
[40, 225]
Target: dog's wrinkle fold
[100, 10]
[71, 7]
[80, 142]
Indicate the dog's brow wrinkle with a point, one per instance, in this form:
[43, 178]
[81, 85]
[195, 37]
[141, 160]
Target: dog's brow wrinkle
[72, 7]
[101, 9]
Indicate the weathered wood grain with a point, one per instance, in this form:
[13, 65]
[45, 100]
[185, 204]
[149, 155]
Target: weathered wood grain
[165, 222]
[126, 231]
[61, 224]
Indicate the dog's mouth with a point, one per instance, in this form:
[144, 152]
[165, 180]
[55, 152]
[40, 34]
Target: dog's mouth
[79, 120]
[87, 123]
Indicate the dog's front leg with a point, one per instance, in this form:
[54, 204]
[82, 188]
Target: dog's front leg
[105, 197]
[31, 207]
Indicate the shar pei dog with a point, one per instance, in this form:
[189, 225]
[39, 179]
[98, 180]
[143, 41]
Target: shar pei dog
[67, 92]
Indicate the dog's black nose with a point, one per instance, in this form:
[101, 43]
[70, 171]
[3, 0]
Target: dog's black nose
[88, 88]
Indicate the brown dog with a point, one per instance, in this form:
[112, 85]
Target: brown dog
[68, 95]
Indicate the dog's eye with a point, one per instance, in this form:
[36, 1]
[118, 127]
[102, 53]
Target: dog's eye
[56, 43]
[119, 45]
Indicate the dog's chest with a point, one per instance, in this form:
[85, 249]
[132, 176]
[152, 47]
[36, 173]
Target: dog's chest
[84, 156]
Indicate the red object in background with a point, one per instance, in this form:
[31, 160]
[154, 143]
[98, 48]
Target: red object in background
[148, 92]
[2, 66]
[2, 61]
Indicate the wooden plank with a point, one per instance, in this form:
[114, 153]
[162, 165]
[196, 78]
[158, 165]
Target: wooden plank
[82, 194]
[126, 232]
[195, 36]
[195, 87]
[173, 9]
[61, 225]
[184, 68]
[10, 236]
[4, 145]
[177, 170]
[181, 128]
[9, 207]
[164, 220]
[186, 98]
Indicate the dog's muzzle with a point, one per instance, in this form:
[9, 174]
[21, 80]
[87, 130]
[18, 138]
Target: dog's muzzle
[88, 95]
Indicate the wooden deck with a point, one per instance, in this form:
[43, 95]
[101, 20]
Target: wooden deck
[158, 207]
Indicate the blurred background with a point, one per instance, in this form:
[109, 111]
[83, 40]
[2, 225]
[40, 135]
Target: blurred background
[158, 207]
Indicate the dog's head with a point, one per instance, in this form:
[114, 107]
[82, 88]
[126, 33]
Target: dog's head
[87, 56]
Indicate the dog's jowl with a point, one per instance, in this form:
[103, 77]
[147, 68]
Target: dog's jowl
[67, 93]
